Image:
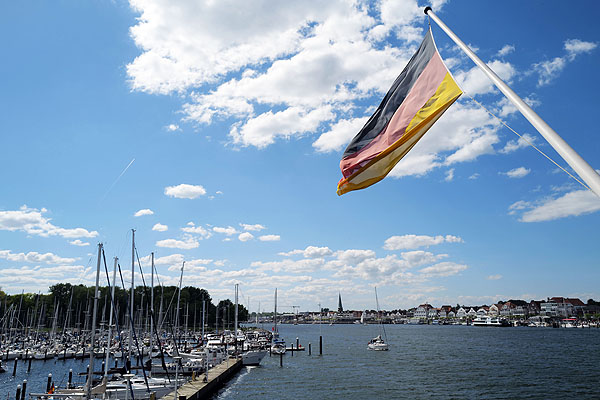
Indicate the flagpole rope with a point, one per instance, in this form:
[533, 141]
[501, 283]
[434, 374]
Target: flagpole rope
[528, 142]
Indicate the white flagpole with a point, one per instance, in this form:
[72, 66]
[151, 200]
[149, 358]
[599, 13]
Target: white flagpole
[579, 165]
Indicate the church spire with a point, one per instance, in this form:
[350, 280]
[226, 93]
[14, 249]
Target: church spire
[340, 308]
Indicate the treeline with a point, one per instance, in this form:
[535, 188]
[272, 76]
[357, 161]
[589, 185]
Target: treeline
[70, 306]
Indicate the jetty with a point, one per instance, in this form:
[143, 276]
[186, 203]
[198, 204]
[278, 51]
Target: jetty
[198, 389]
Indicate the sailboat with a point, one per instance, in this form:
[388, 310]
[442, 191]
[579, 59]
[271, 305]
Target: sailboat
[277, 344]
[378, 343]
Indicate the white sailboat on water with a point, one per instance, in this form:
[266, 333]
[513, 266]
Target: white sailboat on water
[378, 343]
[277, 344]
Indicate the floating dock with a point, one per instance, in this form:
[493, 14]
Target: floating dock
[197, 389]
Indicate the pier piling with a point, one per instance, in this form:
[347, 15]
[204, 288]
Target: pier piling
[297, 343]
[23, 390]
[320, 345]
[18, 397]
[309, 349]
[70, 379]
[292, 349]
[29, 364]
[15, 367]
[48, 384]
[281, 359]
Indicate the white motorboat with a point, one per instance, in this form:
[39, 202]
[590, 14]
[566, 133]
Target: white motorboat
[490, 321]
[253, 357]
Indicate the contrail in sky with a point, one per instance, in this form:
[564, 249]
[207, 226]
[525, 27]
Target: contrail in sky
[116, 180]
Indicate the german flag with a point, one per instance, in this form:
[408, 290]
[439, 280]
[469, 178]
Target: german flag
[418, 97]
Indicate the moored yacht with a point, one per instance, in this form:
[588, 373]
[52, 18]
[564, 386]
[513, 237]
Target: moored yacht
[490, 321]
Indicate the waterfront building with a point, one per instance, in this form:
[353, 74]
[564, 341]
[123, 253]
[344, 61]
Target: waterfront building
[422, 312]
[472, 313]
[461, 313]
[482, 312]
[494, 311]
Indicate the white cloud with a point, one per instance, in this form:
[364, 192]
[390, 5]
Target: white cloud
[198, 230]
[449, 175]
[415, 241]
[269, 238]
[339, 134]
[310, 252]
[245, 236]
[519, 172]
[255, 227]
[35, 257]
[474, 176]
[262, 130]
[574, 203]
[230, 230]
[462, 134]
[520, 143]
[32, 221]
[507, 49]
[494, 277]
[443, 269]
[185, 191]
[550, 69]
[300, 63]
[419, 257]
[189, 242]
[474, 81]
[160, 227]
[79, 243]
[145, 211]
[172, 127]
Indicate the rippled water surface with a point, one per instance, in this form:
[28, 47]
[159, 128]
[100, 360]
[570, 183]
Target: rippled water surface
[428, 362]
[424, 362]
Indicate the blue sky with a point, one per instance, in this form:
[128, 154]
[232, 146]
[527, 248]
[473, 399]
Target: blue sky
[235, 115]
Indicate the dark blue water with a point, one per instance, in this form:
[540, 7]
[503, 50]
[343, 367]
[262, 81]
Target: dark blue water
[424, 362]
[428, 362]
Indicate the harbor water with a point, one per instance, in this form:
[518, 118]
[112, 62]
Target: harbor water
[428, 362]
[423, 362]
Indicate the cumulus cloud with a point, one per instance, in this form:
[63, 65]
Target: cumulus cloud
[514, 145]
[443, 269]
[575, 203]
[310, 252]
[185, 191]
[160, 227]
[269, 238]
[507, 49]
[33, 222]
[415, 241]
[494, 277]
[245, 236]
[35, 257]
[230, 230]
[187, 243]
[145, 211]
[519, 172]
[197, 230]
[255, 227]
[79, 243]
[449, 175]
[550, 69]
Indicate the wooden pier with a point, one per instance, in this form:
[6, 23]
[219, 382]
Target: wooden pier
[197, 389]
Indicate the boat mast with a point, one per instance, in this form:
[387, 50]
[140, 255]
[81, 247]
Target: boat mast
[236, 313]
[110, 318]
[93, 331]
[131, 310]
[151, 308]
[275, 317]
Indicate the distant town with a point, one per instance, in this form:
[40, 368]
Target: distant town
[534, 312]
